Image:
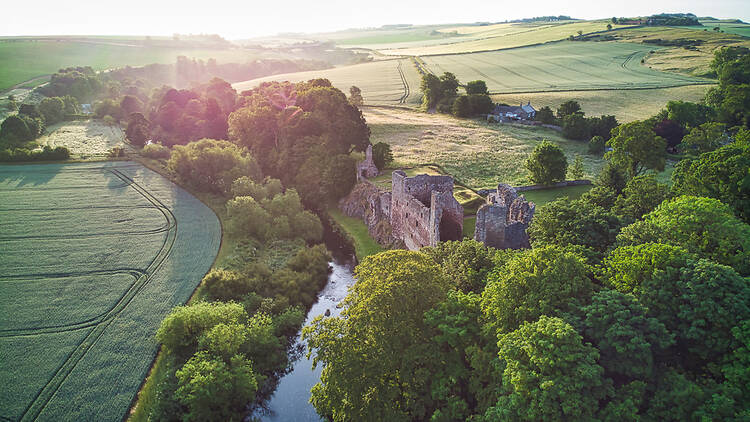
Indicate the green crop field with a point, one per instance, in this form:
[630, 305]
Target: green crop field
[21, 60]
[384, 82]
[562, 66]
[501, 36]
[93, 257]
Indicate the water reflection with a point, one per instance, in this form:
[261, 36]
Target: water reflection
[291, 401]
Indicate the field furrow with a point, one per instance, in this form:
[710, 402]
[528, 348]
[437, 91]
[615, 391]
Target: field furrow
[94, 256]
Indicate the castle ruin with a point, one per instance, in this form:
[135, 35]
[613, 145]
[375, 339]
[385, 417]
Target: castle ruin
[424, 211]
[503, 220]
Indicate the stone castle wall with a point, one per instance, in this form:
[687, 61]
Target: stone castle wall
[503, 220]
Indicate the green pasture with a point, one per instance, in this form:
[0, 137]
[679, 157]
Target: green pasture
[94, 257]
[364, 245]
[741, 29]
[385, 82]
[22, 60]
[564, 66]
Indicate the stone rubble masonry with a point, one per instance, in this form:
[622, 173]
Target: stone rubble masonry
[367, 169]
[424, 211]
[503, 220]
[421, 211]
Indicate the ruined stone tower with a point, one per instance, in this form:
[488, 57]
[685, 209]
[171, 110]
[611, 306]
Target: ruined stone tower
[367, 168]
[424, 211]
[503, 220]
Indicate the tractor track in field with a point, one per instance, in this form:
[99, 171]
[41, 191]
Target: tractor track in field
[403, 98]
[98, 327]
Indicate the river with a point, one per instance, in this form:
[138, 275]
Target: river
[291, 401]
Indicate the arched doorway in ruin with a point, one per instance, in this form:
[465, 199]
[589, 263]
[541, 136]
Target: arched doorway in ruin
[450, 229]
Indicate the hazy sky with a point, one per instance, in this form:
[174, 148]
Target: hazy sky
[239, 19]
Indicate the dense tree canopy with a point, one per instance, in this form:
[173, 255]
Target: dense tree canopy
[376, 357]
[538, 282]
[723, 174]
[703, 226]
[302, 134]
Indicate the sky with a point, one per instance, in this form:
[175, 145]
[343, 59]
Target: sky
[252, 18]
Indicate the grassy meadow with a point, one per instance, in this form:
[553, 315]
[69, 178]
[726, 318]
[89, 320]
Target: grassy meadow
[626, 105]
[384, 82]
[93, 259]
[563, 66]
[23, 60]
[480, 155]
[87, 138]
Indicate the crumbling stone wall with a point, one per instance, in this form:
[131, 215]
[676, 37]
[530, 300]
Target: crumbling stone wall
[423, 207]
[503, 220]
[419, 211]
[372, 205]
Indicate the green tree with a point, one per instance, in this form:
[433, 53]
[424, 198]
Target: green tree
[704, 138]
[431, 90]
[180, 330]
[545, 115]
[637, 148]
[15, 130]
[480, 104]
[540, 281]
[214, 390]
[550, 375]
[52, 109]
[723, 174]
[575, 126]
[547, 164]
[211, 166]
[448, 85]
[461, 107]
[564, 222]
[641, 195]
[703, 226]
[355, 96]
[699, 301]
[575, 171]
[226, 285]
[466, 262]
[626, 337]
[597, 145]
[613, 176]
[476, 87]
[138, 130]
[382, 155]
[689, 115]
[567, 108]
[130, 104]
[376, 355]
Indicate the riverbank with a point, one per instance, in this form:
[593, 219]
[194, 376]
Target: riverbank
[356, 231]
[298, 265]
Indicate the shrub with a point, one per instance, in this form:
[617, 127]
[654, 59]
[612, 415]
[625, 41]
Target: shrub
[382, 155]
[212, 166]
[214, 390]
[547, 164]
[597, 145]
[156, 151]
[226, 285]
[180, 330]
